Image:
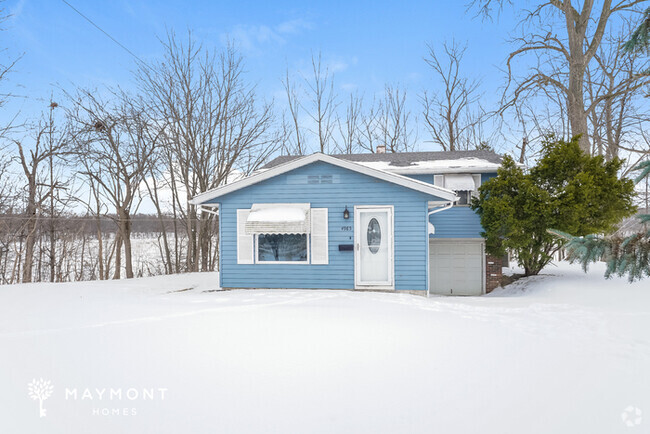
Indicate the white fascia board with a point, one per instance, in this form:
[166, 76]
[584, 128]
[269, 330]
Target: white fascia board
[394, 178]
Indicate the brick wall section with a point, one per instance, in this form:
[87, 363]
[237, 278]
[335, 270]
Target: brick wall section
[493, 272]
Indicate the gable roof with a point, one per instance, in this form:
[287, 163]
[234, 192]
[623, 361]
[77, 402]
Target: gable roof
[417, 162]
[295, 163]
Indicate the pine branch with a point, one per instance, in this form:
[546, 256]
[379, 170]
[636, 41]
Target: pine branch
[640, 38]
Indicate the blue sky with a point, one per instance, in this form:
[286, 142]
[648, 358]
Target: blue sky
[365, 44]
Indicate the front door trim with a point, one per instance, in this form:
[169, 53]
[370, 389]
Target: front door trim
[391, 249]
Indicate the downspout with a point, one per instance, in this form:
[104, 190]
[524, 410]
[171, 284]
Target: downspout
[429, 214]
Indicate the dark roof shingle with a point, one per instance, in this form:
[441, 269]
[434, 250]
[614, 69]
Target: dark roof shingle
[401, 158]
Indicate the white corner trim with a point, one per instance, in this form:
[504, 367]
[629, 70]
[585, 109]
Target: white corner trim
[394, 178]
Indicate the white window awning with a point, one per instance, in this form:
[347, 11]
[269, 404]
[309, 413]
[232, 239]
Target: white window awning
[460, 182]
[278, 218]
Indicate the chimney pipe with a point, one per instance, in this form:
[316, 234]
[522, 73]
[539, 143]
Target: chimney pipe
[381, 149]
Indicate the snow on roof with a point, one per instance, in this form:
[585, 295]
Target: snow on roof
[463, 165]
[410, 163]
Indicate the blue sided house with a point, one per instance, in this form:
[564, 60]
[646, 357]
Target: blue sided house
[382, 221]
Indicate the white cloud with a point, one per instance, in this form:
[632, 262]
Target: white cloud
[249, 38]
[349, 87]
[293, 26]
[337, 64]
[17, 9]
[255, 37]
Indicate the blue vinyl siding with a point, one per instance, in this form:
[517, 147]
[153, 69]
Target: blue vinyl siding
[410, 222]
[429, 178]
[459, 221]
[422, 177]
[486, 176]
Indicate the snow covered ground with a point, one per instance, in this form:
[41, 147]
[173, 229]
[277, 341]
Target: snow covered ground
[561, 352]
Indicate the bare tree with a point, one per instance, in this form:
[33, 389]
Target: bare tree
[535, 118]
[6, 64]
[394, 121]
[369, 135]
[615, 97]
[295, 137]
[57, 179]
[116, 149]
[349, 127]
[323, 102]
[448, 113]
[214, 129]
[37, 192]
[562, 59]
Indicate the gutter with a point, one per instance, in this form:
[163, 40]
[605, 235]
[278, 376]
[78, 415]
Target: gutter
[439, 209]
[202, 208]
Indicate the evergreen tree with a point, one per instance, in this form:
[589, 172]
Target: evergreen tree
[624, 255]
[640, 38]
[568, 189]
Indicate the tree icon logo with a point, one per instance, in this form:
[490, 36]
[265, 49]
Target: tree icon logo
[40, 390]
[632, 416]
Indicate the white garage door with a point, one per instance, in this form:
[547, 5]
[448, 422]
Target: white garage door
[456, 267]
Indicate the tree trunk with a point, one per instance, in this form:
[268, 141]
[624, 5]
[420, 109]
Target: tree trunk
[118, 255]
[125, 229]
[204, 240]
[576, 107]
[100, 248]
[192, 256]
[30, 239]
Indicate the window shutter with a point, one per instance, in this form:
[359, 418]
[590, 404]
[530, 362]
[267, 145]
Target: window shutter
[319, 240]
[439, 180]
[244, 240]
[477, 183]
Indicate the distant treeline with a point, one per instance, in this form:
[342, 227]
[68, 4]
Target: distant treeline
[140, 223]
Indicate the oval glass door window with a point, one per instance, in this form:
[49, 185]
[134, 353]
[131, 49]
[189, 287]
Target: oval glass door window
[374, 235]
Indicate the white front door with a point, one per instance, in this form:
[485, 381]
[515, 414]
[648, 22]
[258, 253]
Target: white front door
[373, 246]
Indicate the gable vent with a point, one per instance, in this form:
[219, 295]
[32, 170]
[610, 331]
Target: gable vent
[313, 179]
[320, 179]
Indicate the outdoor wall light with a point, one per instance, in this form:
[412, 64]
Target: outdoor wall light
[346, 213]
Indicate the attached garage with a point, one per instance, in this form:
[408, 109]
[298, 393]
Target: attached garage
[456, 266]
